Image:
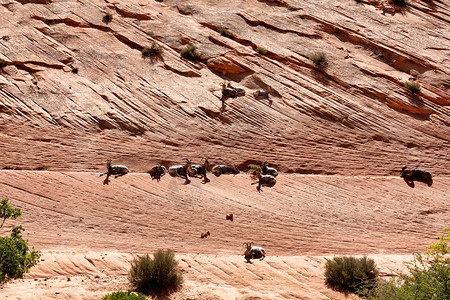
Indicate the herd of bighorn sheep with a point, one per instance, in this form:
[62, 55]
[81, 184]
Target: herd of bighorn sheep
[263, 176]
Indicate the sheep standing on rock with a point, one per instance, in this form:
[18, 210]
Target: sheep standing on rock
[199, 171]
[205, 235]
[117, 170]
[157, 172]
[268, 170]
[265, 180]
[253, 252]
[416, 174]
[180, 171]
[222, 169]
[229, 91]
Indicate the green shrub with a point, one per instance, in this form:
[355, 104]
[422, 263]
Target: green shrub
[262, 51]
[155, 49]
[429, 277]
[191, 53]
[3, 63]
[412, 86]
[123, 296]
[155, 275]
[16, 258]
[350, 273]
[226, 33]
[107, 17]
[319, 59]
[398, 2]
[254, 167]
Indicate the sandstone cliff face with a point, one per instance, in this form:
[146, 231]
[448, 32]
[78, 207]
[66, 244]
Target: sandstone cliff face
[352, 117]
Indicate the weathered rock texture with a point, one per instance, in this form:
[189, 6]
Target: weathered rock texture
[353, 117]
[299, 221]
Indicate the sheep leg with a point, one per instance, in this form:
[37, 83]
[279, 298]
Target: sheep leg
[205, 179]
[106, 181]
[187, 181]
[409, 182]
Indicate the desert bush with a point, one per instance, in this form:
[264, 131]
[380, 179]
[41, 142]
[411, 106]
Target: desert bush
[191, 53]
[75, 70]
[412, 86]
[226, 33]
[262, 51]
[155, 275]
[155, 49]
[123, 296]
[319, 59]
[107, 17]
[398, 2]
[16, 258]
[428, 278]
[350, 273]
[3, 63]
[254, 167]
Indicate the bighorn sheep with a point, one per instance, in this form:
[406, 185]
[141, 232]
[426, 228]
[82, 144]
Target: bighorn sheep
[387, 8]
[222, 169]
[117, 170]
[230, 91]
[157, 172]
[199, 171]
[205, 235]
[263, 93]
[265, 180]
[180, 171]
[268, 171]
[416, 174]
[229, 217]
[254, 252]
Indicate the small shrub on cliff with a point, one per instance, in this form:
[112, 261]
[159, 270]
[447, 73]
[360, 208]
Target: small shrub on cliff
[3, 63]
[319, 59]
[107, 17]
[350, 273]
[261, 50]
[226, 33]
[191, 53]
[398, 2]
[16, 258]
[155, 275]
[412, 86]
[123, 296]
[155, 49]
[429, 276]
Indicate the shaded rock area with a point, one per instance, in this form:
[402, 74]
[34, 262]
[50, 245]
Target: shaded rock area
[352, 117]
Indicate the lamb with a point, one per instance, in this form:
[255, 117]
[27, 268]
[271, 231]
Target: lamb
[269, 171]
[265, 180]
[199, 171]
[223, 169]
[254, 252]
[230, 91]
[157, 172]
[229, 217]
[263, 93]
[205, 235]
[117, 170]
[180, 171]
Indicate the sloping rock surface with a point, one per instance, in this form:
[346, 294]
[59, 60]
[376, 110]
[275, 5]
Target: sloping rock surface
[352, 117]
